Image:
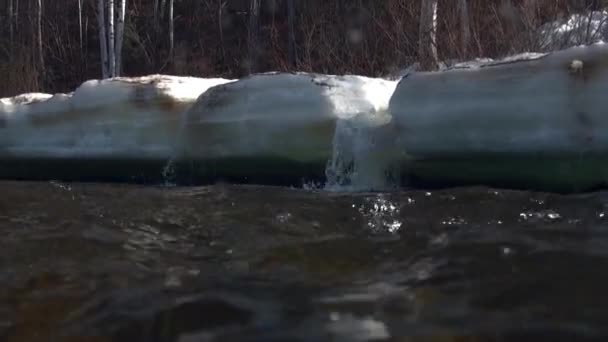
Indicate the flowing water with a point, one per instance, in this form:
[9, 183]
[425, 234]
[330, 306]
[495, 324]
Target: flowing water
[123, 262]
[116, 262]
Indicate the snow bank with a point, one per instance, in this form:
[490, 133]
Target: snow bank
[121, 117]
[548, 110]
[578, 29]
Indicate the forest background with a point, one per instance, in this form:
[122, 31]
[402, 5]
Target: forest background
[54, 45]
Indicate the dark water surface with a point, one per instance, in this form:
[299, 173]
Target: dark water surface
[100, 262]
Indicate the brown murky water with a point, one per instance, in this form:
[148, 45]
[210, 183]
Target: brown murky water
[101, 262]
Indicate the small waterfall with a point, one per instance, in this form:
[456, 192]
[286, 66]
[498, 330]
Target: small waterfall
[169, 172]
[364, 156]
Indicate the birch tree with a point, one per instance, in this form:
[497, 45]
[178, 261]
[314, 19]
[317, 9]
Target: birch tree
[80, 24]
[111, 36]
[39, 34]
[254, 14]
[111, 40]
[171, 33]
[465, 27]
[120, 30]
[428, 35]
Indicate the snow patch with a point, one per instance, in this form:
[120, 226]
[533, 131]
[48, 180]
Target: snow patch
[578, 29]
[293, 96]
[23, 99]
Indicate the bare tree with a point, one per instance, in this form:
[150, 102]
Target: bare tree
[155, 14]
[220, 23]
[80, 24]
[111, 39]
[39, 34]
[16, 14]
[291, 18]
[254, 22]
[11, 23]
[171, 33]
[465, 27]
[428, 34]
[120, 30]
[163, 4]
[103, 42]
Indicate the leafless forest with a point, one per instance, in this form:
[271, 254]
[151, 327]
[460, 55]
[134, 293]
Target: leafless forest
[54, 45]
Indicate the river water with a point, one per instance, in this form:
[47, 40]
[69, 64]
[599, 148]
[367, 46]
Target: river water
[118, 262]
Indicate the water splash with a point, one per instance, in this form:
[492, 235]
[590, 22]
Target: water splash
[313, 186]
[363, 156]
[180, 150]
[169, 174]
[381, 215]
[540, 216]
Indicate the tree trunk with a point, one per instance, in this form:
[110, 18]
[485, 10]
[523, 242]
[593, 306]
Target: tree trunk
[291, 18]
[80, 25]
[428, 35]
[120, 30]
[163, 4]
[171, 34]
[103, 42]
[111, 39]
[39, 34]
[465, 28]
[17, 15]
[220, 23]
[11, 24]
[254, 15]
[156, 16]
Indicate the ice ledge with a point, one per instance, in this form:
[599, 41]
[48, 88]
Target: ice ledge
[279, 126]
[500, 122]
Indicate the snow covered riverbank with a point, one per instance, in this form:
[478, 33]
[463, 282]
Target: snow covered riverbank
[534, 120]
